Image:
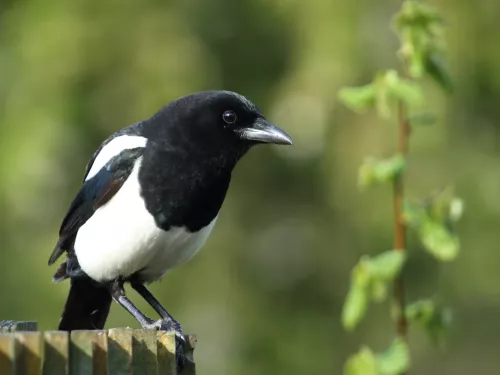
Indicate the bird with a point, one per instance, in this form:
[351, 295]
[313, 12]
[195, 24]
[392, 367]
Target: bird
[150, 197]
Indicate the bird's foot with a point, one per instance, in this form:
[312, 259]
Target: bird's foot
[180, 341]
[166, 325]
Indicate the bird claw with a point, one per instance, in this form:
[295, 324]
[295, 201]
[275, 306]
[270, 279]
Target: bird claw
[166, 325]
[180, 340]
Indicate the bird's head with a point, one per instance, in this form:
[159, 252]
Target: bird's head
[215, 122]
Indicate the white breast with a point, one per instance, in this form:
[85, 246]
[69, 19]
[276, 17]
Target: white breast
[121, 238]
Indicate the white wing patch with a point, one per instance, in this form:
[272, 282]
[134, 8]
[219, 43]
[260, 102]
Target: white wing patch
[113, 148]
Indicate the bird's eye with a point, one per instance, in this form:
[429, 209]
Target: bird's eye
[229, 117]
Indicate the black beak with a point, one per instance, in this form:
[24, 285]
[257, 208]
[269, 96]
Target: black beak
[265, 132]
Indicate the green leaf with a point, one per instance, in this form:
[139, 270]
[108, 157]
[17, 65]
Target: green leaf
[355, 307]
[390, 87]
[439, 324]
[434, 219]
[370, 278]
[384, 83]
[358, 99]
[422, 118]
[387, 265]
[378, 290]
[395, 360]
[456, 209]
[383, 270]
[414, 214]
[420, 312]
[433, 318]
[415, 14]
[374, 171]
[444, 207]
[362, 363]
[420, 29]
[407, 91]
[356, 302]
[438, 240]
[416, 64]
[360, 275]
[386, 88]
[435, 67]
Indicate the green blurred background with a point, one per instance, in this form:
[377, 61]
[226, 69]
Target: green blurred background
[265, 293]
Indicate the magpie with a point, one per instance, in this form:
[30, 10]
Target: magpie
[150, 197]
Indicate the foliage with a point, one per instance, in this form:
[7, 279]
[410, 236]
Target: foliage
[383, 93]
[433, 318]
[420, 30]
[370, 279]
[393, 361]
[374, 171]
[434, 220]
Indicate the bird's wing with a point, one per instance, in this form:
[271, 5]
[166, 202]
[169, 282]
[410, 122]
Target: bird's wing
[133, 131]
[94, 193]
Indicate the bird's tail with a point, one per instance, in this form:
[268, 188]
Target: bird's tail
[87, 306]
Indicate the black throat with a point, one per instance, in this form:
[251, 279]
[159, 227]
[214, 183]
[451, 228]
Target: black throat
[184, 188]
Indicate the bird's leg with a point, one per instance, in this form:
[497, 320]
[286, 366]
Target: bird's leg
[118, 294]
[156, 305]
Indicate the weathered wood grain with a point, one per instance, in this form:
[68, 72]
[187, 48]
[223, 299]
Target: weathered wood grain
[120, 351]
[166, 352]
[28, 352]
[81, 352]
[101, 353]
[56, 353]
[7, 358]
[144, 349]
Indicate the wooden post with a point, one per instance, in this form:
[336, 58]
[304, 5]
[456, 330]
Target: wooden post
[145, 349]
[119, 351]
[81, 352]
[101, 353]
[7, 355]
[56, 353]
